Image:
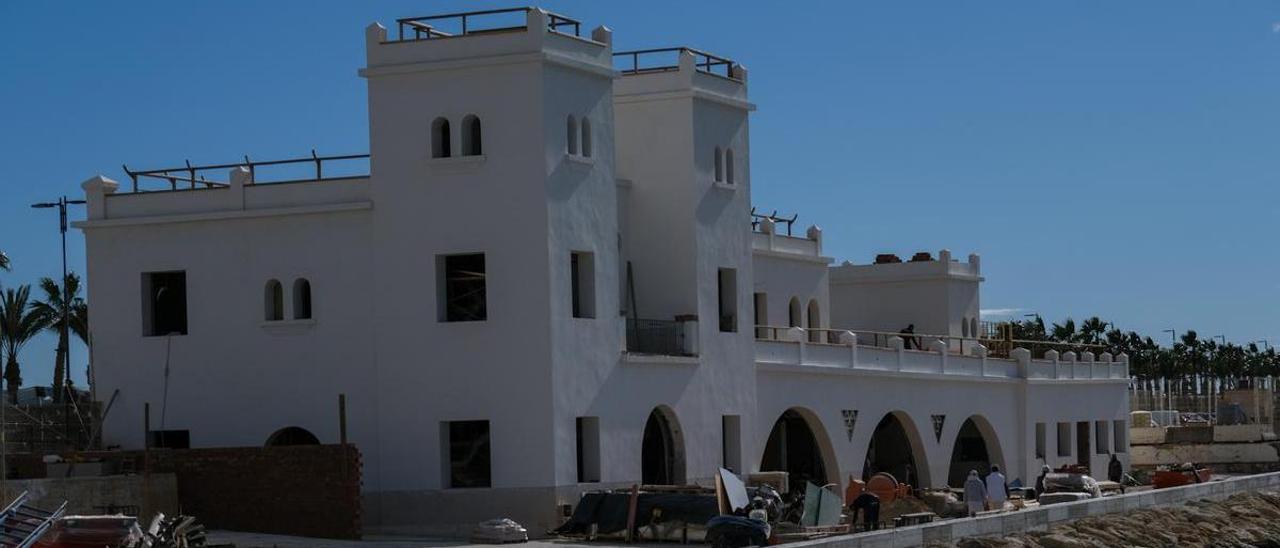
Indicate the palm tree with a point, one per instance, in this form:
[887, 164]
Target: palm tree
[19, 323]
[75, 321]
[4, 261]
[1091, 330]
[1065, 332]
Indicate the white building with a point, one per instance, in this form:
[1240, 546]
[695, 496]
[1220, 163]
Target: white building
[546, 284]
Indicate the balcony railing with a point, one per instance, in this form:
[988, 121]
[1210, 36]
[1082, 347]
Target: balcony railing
[663, 337]
[450, 25]
[644, 61]
[291, 170]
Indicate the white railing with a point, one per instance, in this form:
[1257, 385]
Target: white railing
[842, 349]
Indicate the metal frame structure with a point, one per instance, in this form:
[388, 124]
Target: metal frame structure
[756, 218]
[191, 174]
[422, 30]
[705, 62]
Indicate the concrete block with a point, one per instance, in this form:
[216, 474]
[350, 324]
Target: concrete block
[1059, 513]
[989, 525]
[1146, 436]
[965, 527]
[878, 539]
[1078, 510]
[1015, 522]
[940, 534]
[908, 536]
[1037, 520]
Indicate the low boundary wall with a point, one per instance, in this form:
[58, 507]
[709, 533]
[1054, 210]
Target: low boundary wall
[1039, 519]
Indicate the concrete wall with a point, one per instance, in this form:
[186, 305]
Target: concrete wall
[97, 495]
[935, 296]
[1040, 519]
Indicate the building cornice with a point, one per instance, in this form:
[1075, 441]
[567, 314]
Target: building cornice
[224, 215]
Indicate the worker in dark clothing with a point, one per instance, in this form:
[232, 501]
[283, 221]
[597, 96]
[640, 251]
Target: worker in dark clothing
[1044, 471]
[909, 339]
[1115, 470]
[869, 503]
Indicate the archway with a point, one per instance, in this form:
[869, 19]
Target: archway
[976, 448]
[799, 446]
[662, 449]
[292, 436]
[896, 448]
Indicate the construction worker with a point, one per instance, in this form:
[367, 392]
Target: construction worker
[1044, 471]
[975, 493]
[997, 489]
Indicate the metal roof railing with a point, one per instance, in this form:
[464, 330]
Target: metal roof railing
[642, 61]
[425, 28]
[193, 175]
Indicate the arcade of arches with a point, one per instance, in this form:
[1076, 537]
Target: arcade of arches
[793, 448]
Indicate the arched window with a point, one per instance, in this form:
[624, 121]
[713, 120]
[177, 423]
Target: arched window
[793, 316]
[964, 327]
[274, 301]
[471, 136]
[301, 299]
[815, 322]
[440, 138]
[571, 135]
[719, 165]
[728, 165]
[973, 327]
[292, 435]
[586, 137]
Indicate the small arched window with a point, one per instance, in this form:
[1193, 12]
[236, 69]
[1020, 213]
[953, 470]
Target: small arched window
[815, 322]
[964, 327]
[571, 135]
[793, 317]
[301, 299]
[471, 138]
[586, 137]
[728, 165]
[440, 138]
[719, 168]
[973, 327]
[273, 301]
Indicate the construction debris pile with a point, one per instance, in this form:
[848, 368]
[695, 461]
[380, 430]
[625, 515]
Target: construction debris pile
[1249, 519]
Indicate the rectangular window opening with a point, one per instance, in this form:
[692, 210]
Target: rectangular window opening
[461, 287]
[761, 305]
[1121, 436]
[731, 445]
[582, 281]
[169, 439]
[466, 453]
[164, 303]
[1101, 434]
[1040, 440]
[727, 282]
[1064, 439]
[588, 449]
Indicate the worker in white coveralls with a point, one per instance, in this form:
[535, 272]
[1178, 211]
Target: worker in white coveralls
[997, 490]
[975, 493]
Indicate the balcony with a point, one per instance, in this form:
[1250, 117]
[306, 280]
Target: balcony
[662, 337]
[840, 349]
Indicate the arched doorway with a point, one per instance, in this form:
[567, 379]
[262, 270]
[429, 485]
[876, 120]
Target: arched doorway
[896, 449]
[798, 445]
[976, 448]
[292, 436]
[662, 449]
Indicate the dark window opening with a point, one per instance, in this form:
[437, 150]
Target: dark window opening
[462, 288]
[467, 453]
[169, 439]
[440, 139]
[274, 301]
[728, 289]
[471, 145]
[582, 284]
[292, 435]
[301, 299]
[588, 435]
[586, 137]
[164, 303]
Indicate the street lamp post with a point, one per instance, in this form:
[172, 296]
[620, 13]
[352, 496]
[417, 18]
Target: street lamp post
[65, 335]
[1173, 337]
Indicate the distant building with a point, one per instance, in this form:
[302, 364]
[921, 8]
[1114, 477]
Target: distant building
[551, 280]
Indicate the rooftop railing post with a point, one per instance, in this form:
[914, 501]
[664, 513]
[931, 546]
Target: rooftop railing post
[192, 172]
[319, 172]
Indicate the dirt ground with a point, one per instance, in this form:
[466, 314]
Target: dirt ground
[1245, 520]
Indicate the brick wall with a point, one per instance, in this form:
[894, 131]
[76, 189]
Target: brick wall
[309, 491]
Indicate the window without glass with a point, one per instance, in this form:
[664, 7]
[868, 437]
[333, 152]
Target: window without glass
[164, 303]
[571, 135]
[761, 315]
[1040, 440]
[728, 284]
[588, 449]
[301, 299]
[169, 439]
[440, 138]
[461, 287]
[273, 300]
[719, 165]
[728, 165]
[815, 321]
[582, 282]
[1101, 437]
[1064, 439]
[731, 434]
[466, 453]
[793, 313]
[586, 137]
[1121, 431]
[471, 138]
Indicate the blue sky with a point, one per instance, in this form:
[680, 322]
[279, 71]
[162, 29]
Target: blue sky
[1109, 158]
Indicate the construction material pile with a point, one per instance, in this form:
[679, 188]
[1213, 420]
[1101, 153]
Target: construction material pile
[1248, 519]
